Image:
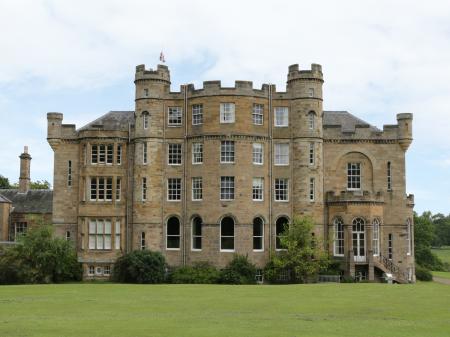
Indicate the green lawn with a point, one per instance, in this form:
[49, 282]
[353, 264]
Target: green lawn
[443, 253]
[116, 310]
[443, 274]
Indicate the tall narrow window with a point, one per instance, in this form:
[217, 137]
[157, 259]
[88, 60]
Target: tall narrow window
[68, 236]
[118, 188]
[311, 120]
[142, 239]
[227, 234]
[312, 189]
[94, 154]
[175, 116]
[390, 245]
[281, 116]
[258, 153]
[226, 188]
[258, 189]
[197, 153]
[145, 117]
[197, 188]
[145, 92]
[174, 154]
[109, 153]
[227, 151]
[282, 154]
[376, 237]
[173, 233]
[311, 92]
[197, 114]
[408, 237]
[197, 233]
[281, 226]
[258, 234]
[389, 176]
[258, 114]
[354, 176]
[144, 188]
[101, 154]
[338, 225]
[226, 112]
[99, 234]
[119, 154]
[311, 154]
[117, 235]
[69, 173]
[174, 189]
[109, 188]
[144, 153]
[281, 189]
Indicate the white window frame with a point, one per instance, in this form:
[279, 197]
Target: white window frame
[261, 237]
[258, 153]
[100, 234]
[173, 235]
[227, 188]
[281, 154]
[258, 114]
[354, 171]
[227, 113]
[194, 236]
[117, 235]
[312, 189]
[258, 189]
[311, 154]
[142, 241]
[390, 247]
[144, 153]
[174, 154]
[174, 189]
[389, 176]
[228, 236]
[174, 116]
[376, 237]
[107, 270]
[144, 188]
[338, 242]
[119, 154]
[91, 270]
[285, 182]
[197, 153]
[227, 152]
[311, 120]
[281, 116]
[145, 119]
[118, 188]
[408, 237]
[102, 186]
[197, 114]
[197, 188]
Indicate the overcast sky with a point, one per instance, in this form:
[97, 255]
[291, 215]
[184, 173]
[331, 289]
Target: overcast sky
[379, 58]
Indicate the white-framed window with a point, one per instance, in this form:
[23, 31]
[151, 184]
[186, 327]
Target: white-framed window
[312, 189]
[102, 153]
[197, 153]
[258, 189]
[107, 270]
[101, 189]
[281, 226]
[197, 224]
[197, 188]
[376, 237]
[173, 233]
[144, 188]
[142, 240]
[258, 234]
[145, 119]
[408, 236]
[281, 189]
[197, 114]
[144, 153]
[258, 114]
[311, 153]
[175, 116]
[109, 153]
[91, 270]
[281, 154]
[174, 154]
[17, 230]
[119, 154]
[174, 189]
[353, 176]
[227, 151]
[310, 92]
[118, 188]
[226, 188]
[258, 153]
[311, 120]
[338, 225]
[390, 245]
[227, 234]
[117, 236]
[281, 116]
[99, 234]
[69, 173]
[227, 112]
[389, 176]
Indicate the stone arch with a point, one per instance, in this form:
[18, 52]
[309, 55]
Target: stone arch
[367, 171]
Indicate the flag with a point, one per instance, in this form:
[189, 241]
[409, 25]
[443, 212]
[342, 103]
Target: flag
[161, 57]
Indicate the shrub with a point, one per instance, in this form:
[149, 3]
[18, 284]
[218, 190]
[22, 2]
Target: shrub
[239, 271]
[423, 274]
[140, 266]
[200, 273]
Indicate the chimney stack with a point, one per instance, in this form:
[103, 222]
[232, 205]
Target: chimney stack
[24, 179]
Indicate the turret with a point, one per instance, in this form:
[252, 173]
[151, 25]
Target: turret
[305, 83]
[24, 179]
[404, 121]
[54, 126]
[152, 83]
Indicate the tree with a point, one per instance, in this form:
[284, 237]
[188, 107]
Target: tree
[424, 237]
[36, 185]
[4, 182]
[140, 266]
[304, 255]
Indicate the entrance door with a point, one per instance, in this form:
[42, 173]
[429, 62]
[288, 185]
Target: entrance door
[359, 240]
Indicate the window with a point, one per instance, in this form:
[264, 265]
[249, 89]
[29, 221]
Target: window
[197, 233]
[258, 114]
[227, 151]
[145, 117]
[99, 271]
[338, 225]
[281, 226]
[311, 154]
[173, 233]
[101, 189]
[84, 154]
[376, 237]
[226, 188]
[389, 176]
[94, 154]
[144, 188]
[91, 270]
[226, 112]
[312, 188]
[197, 188]
[197, 114]
[101, 153]
[354, 176]
[282, 154]
[258, 234]
[197, 153]
[146, 92]
[117, 237]
[144, 153]
[408, 237]
[311, 120]
[258, 189]
[258, 154]
[107, 270]
[69, 173]
[227, 234]
[118, 188]
[390, 245]
[109, 153]
[175, 116]
[174, 154]
[99, 234]
[311, 92]
[174, 189]
[68, 235]
[17, 230]
[281, 116]
[119, 154]
[142, 240]
[281, 189]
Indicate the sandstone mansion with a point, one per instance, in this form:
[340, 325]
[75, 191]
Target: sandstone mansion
[201, 174]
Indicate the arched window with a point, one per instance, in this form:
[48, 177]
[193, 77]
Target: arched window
[280, 228]
[311, 120]
[145, 119]
[197, 223]
[173, 233]
[408, 236]
[258, 234]
[227, 234]
[376, 237]
[338, 237]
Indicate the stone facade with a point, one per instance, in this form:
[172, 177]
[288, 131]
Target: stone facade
[265, 156]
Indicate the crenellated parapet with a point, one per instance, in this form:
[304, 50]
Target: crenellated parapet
[354, 197]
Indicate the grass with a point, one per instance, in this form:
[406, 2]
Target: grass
[443, 253]
[116, 310]
[443, 274]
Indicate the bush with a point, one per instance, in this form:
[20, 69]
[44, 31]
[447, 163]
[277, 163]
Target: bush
[140, 266]
[200, 273]
[423, 274]
[239, 271]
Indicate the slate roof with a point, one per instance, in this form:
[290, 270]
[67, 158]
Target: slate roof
[34, 201]
[4, 200]
[111, 121]
[345, 120]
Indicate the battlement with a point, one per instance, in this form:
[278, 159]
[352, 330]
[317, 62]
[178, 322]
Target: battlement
[161, 73]
[241, 88]
[354, 197]
[315, 73]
